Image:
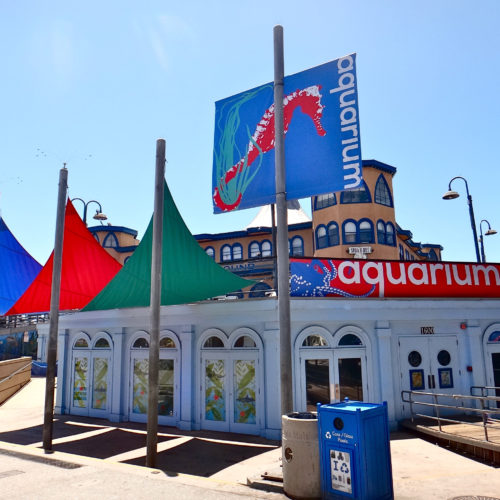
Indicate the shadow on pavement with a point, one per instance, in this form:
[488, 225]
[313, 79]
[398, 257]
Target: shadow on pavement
[203, 454]
[200, 457]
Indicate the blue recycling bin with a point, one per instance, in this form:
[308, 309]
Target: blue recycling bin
[355, 457]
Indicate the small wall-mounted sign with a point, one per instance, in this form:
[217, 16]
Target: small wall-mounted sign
[427, 330]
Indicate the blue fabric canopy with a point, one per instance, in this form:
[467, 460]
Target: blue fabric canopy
[17, 268]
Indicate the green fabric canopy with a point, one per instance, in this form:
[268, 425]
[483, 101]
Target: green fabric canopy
[188, 273]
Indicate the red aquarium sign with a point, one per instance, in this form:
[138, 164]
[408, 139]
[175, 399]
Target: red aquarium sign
[371, 278]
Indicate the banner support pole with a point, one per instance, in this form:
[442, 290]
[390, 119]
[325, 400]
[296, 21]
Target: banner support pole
[55, 293]
[156, 270]
[282, 228]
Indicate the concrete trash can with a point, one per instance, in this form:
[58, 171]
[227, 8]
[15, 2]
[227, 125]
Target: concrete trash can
[300, 455]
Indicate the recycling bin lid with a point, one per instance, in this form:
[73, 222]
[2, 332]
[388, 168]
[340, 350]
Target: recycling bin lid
[303, 415]
[350, 406]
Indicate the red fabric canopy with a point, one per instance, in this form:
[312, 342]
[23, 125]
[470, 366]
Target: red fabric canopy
[86, 270]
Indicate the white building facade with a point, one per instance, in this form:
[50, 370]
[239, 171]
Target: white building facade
[219, 360]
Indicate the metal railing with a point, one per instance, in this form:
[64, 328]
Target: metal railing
[15, 373]
[484, 411]
[23, 320]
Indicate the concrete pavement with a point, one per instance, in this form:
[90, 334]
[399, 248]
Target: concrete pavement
[93, 456]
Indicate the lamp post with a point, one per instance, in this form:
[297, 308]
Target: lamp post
[98, 213]
[450, 195]
[488, 233]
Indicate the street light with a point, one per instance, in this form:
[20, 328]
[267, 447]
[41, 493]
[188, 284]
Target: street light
[488, 233]
[451, 195]
[98, 213]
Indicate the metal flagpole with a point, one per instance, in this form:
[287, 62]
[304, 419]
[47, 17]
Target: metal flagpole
[55, 293]
[154, 344]
[282, 229]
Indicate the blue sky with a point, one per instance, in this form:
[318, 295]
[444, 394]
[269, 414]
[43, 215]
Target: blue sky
[94, 84]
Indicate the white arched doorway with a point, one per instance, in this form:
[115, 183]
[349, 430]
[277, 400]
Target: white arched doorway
[331, 367]
[91, 369]
[230, 381]
[492, 358]
[168, 378]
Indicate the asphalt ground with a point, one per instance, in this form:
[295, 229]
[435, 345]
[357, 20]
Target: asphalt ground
[94, 456]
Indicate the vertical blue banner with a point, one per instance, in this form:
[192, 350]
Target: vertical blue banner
[322, 141]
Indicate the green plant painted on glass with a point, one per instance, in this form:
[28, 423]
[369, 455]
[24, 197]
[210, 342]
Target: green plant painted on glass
[100, 384]
[215, 404]
[166, 387]
[244, 391]
[140, 396]
[80, 382]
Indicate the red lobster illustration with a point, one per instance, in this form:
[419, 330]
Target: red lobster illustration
[262, 141]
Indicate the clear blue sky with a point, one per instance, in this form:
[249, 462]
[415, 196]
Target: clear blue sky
[95, 83]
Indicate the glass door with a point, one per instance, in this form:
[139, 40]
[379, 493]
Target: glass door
[140, 385]
[350, 376]
[230, 392]
[317, 378]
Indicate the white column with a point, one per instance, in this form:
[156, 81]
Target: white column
[188, 392]
[475, 355]
[272, 410]
[63, 372]
[119, 358]
[384, 368]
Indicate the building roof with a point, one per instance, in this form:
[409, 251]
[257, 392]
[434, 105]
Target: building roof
[296, 215]
[17, 268]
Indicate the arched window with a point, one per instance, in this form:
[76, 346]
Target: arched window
[245, 341]
[141, 343]
[333, 234]
[433, 255]
[381, 236]
[314, 341]
[390, 234]
[111, 241]
[102, 343]
[401, 253]
[213, 343]
[407, 255]
[297, 247]
[226, 253]
[237, 251]
[259, 290]
[167, 343]
[349, 232]
[366, 231]
[350, 340]
[266, 249]
[494, 337]
[210, 252]
[321, 237]
[324, 200]
[382, 192]
[358, 195]
[97, 238]
[254, 250]
[81, 344]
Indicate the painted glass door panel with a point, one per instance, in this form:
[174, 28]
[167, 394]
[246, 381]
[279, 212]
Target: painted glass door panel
[214, 396]
[230, 392]
[140, 387]
[80, 398]
[166, 389]
[100, 383]
[350, 376]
